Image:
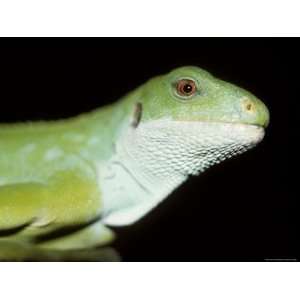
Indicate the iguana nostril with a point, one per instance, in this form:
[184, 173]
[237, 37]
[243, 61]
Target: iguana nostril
[248, 106]
[254, 112]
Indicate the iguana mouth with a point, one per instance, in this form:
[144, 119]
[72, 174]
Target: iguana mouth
[225, 122]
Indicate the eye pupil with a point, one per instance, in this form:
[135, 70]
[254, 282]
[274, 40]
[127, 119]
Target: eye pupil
[186, 87]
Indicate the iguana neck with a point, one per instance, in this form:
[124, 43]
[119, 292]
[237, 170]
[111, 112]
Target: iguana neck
[102, 127]
[156, 157]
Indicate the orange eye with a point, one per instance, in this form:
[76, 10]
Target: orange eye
[186, 87]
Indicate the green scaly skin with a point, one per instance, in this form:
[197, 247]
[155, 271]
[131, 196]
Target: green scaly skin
[53, 194]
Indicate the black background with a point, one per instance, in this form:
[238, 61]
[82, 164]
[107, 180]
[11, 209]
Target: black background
[241, 210]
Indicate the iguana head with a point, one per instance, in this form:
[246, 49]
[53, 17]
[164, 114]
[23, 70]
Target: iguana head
[190, 120]
[182, 123]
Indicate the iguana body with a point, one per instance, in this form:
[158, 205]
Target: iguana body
[62, 182]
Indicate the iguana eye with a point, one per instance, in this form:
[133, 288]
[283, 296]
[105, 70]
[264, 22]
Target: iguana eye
[186, 87]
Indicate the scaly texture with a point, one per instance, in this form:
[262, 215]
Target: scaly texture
[62, 182]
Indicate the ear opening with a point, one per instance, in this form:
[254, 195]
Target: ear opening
[137, 115]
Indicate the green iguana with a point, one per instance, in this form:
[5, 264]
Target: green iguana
[62, 183]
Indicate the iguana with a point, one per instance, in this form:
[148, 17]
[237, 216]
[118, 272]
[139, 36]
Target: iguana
[64, 183]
